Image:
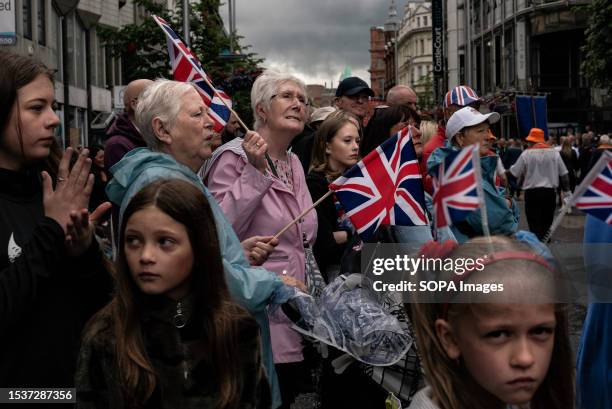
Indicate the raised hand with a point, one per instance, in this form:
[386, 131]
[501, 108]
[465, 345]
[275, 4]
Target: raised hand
[255, 148]
[72, 191]
[81, 228]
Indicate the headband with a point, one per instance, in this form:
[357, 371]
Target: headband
[434, 249]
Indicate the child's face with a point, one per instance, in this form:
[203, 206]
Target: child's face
[507, 347]
[158, 253]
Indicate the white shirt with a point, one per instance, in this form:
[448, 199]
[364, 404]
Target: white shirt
[540, 167]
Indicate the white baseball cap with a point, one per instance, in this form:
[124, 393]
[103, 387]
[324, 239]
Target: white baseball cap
[467, 116]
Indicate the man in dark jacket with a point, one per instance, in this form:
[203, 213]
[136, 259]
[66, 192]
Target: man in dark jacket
[123, 136]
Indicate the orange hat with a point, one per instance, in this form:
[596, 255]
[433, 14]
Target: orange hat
[536, 135]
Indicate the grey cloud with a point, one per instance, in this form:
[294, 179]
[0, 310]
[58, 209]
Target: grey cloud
[317, 37]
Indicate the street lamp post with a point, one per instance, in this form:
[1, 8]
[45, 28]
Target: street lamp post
[186, 22]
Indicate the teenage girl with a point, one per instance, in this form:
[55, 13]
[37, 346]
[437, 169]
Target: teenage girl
[505, 348]
[171, 337]
[336, 149]
[52, 279]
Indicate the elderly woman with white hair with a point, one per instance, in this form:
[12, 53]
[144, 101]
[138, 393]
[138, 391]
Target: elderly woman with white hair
[262, 193]
[175, 125]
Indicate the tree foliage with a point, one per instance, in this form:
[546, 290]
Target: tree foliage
[142, 48]
[597, 63]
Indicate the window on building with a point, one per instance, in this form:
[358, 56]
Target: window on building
[27, 19]
[488, 64]
[498, 61]
[413, 75]
[56, 23]
[41, 25]
[76, 52]
[425, 21]
[509, 57]
[418, 21]
[477, 56]
[422, 47]
[70, 49]
[98, 60]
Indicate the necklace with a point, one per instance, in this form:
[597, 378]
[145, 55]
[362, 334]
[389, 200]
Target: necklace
[179, 319]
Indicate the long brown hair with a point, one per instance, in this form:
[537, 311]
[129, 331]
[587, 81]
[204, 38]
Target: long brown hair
[186, 204]
[453, 387]
[326, 132]
[17, 71]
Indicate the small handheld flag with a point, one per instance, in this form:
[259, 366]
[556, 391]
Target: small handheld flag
[187, 68]
[596, 199]
[385, 187]
[456, 187]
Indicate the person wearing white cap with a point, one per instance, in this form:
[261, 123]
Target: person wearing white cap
[467, 127]
[455, 99]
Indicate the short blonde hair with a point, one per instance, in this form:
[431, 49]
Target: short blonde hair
[428, 129]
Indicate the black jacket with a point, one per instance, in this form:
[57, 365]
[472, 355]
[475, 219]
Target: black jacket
[184, 375]
[326, 251]
[45, 297]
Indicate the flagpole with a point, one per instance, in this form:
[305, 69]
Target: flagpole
[205, 78]
[579, 191]
[294, 221]
[484, 218]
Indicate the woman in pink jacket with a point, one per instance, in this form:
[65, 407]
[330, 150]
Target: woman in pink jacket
[260, 195]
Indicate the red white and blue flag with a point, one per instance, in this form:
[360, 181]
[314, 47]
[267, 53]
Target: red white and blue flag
[596, 199]
[456, 187]
[187, 68]
[385, 187]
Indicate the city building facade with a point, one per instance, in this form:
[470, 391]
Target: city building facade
[510, 47]
[415, 50]
[377, 61]
[64, 35]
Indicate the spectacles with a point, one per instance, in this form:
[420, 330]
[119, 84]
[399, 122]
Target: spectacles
[288, 97]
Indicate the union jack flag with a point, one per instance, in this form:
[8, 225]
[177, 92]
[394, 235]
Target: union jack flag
[384, 187]
[596, 199]
[187, 68]
[455, 187]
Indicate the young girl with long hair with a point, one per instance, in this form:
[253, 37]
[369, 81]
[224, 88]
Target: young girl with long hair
[51, 277]
[505, 348]
[336, 149]
[171, 337]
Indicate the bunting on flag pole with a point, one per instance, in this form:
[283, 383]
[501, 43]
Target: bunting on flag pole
[385, 187]
[456, 187]
[594, 195]
[187, 68]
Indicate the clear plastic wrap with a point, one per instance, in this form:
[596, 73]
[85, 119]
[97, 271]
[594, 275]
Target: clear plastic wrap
[351, 318]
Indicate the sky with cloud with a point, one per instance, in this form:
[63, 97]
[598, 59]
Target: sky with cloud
[312, 39]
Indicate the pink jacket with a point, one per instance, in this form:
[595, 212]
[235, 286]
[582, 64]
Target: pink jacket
[256, 204]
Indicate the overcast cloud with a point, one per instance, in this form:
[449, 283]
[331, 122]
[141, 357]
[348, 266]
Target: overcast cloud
[313, 39]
